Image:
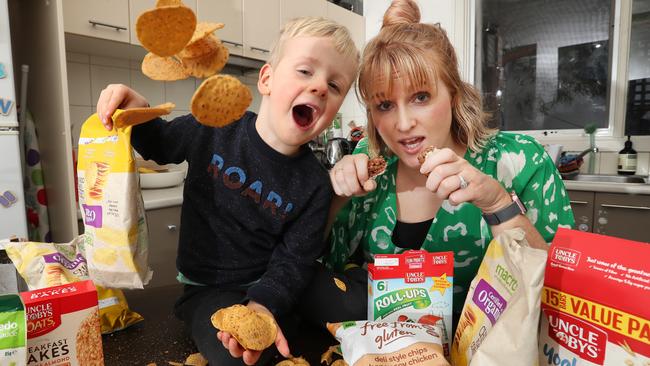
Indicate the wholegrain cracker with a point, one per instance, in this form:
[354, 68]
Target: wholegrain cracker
[206, 65]
[220, 100]
[163, 68]
[166, 30]
[136, 116]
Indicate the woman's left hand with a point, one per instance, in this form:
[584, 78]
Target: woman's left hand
[453, 178]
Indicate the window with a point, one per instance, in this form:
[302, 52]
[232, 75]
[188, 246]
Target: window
[637, 117]
[545, 64]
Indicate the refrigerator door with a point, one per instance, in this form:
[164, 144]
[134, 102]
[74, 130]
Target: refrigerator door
[8, 116]
[13, 222]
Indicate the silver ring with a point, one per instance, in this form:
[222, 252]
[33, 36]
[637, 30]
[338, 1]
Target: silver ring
[463, 182]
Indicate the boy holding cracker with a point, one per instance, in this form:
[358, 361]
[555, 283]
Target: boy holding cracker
[255, 199]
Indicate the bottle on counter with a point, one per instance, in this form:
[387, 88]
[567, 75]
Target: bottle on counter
[627, 159]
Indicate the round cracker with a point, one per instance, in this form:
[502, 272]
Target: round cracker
[202, 30]
[166, 30]
[136, 116]
[207, 65]
[220, 100]
[203, 46]
[163, 68]
[224, 319]
[255, 332]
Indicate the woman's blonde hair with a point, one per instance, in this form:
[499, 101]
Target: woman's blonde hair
[315, 27]
[420, 54]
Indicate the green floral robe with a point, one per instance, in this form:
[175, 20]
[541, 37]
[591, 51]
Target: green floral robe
[516, 161]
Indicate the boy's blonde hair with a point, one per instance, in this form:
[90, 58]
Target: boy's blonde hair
[315, 27]
[420, 54]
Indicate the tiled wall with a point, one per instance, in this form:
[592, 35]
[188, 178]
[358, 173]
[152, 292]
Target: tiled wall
[89, 74]
[607, 163]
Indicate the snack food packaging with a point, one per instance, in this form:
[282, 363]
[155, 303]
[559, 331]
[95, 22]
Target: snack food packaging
[377, 343]
[595, 301]
[63, 326]
[13, 330]
[414, 286]
[112, 208]
[498, 324]
[51, 264]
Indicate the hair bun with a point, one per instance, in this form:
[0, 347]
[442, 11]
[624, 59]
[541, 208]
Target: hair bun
[402, 12]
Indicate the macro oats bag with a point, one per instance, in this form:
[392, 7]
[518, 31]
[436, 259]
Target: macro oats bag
[500, 317]
[595, 302]
[13, 331]
[63, 326]
[112, 208]
[414, 286]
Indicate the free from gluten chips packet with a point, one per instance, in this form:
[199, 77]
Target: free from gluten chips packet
[112, 207]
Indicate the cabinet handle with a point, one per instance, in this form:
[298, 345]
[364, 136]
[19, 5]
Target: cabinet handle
[259, 49]
[232, 43]
[116, 27]
[625, 206]
[171, 227]
[579, 202]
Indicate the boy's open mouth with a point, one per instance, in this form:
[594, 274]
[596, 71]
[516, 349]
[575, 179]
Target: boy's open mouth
[303, 114]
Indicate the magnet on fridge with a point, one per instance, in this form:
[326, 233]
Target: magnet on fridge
[7, 199]
[3, 73]
[5, 106]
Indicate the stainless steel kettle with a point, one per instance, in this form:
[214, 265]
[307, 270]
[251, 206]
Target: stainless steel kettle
[335, 149]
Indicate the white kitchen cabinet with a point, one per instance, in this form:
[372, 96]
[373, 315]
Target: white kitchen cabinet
[300, 8]
[136, 7]
[228, 12]
[164, 225]
[261, 27]
[353, 21]
[108, 19]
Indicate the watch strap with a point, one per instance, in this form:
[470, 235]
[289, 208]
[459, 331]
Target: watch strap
[503, 214]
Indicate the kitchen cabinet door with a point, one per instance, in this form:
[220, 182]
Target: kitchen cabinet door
[353, 21]
[300, 8]
[228, 12]
[582, 204]
[164, 225]
[261, 27]
[108, 19]
[622, 215]
[136, 7]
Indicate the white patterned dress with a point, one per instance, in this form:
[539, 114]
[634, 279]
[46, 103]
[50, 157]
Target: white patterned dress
[516, 161]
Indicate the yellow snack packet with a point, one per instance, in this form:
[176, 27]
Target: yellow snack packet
[499, 321]
[111, 204]
[52, 264]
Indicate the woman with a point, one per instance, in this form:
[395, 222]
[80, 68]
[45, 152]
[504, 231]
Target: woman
[464, 194]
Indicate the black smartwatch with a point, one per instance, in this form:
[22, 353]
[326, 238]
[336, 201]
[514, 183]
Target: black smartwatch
[506, 213]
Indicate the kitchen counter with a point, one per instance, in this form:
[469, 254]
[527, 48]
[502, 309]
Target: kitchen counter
[629, 188]
[162, 197]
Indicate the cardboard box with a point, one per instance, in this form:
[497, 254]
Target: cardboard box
[415, 286]
[12, 330]
[63, 326]
[595, 301]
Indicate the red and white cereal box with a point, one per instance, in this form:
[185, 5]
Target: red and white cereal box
[414, 286]
[595, 301]
[63, 326]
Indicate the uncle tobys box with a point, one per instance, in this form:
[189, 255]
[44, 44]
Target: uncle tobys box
[414, 286]
[595, 301]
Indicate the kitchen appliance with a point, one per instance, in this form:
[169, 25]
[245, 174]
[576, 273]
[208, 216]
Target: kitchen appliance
[335, 149]
[13, 221]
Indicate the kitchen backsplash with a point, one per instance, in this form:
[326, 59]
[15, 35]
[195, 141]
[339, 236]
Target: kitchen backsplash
[607, 163]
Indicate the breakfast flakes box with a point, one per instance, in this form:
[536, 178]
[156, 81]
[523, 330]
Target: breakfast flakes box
[595, 301]
[63, 326]
[414, 286]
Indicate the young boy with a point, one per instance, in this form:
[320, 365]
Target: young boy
[255, 199]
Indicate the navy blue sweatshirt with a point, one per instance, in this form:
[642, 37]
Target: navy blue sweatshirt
[251, 217]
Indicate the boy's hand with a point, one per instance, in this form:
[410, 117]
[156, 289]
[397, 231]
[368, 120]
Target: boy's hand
[350, 176]
[116, 96]
[250, 357]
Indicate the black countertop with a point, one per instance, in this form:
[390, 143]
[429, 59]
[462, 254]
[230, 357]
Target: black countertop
[161, 337]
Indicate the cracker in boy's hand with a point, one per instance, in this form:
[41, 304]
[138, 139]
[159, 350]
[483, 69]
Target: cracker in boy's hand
[253, 330]
[295, 361]
[207, 65]
[136, 116]
[220, 100]
[166, 30]
[163, 68]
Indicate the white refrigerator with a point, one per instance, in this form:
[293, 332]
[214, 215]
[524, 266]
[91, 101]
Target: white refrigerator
[13, 222]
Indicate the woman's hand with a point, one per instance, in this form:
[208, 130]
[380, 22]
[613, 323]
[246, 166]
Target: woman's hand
[248, 356]
[447, 171]
[116, 96]
[349, 176]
